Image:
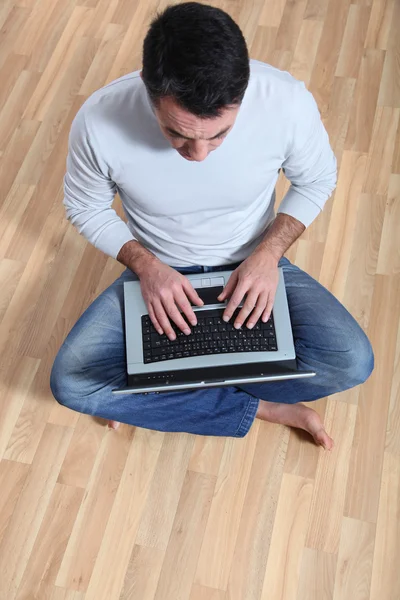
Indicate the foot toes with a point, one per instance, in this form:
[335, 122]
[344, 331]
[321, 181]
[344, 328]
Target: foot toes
[322, 438]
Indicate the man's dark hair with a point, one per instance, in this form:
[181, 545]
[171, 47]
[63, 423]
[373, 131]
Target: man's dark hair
[197, 54]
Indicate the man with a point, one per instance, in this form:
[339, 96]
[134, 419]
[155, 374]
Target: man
[194, 145]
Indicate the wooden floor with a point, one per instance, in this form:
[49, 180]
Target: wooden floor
[92, 514]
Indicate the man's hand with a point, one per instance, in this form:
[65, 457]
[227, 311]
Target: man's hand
[164, 291]
[257, 277]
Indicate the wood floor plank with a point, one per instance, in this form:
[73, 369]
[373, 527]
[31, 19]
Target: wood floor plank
[13, 66]
[305, 52]
[359, 133]
[369, 440]
[316, 10]
[200, 592]
[40, 574]
[353, 41]
[379, 24]
[317, 575]
[364, 258]
[381, 151]
[354, 565]
[15, 387]
[38, 105]
[155, 525]
[207, 454]
[186, 537]
[254, 536]
[88, 530]
[223, 522]
[113, 574]
[328, 500]
[142, 573]
[389, 94]
[288, 537]
[12, 480]
[328, 52]
[393, 424]
[385, 580]
[82, 451]
[19, 538]
[271, 15]
[19, 144]
[59, 593]
[389, 251]
[336, 258]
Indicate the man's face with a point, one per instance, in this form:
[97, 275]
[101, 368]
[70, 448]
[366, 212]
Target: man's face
[193, 137]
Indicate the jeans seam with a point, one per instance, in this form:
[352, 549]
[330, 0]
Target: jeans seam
[248, 417]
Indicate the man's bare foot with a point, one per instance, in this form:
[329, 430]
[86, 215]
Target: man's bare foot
[296, 415]
[113, 424]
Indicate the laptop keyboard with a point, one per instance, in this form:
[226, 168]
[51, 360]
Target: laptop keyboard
[211, 335]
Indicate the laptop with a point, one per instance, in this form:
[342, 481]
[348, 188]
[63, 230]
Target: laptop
[215, 353]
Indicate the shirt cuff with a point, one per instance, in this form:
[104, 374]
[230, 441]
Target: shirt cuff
[112, 240]
[296, 205]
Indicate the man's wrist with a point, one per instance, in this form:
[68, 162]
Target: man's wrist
[137, 258]
[280, 235]
[268, 255]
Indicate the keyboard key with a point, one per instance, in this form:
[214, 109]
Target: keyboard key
[268, 333]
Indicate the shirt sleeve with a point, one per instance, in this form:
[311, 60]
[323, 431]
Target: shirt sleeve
[89, 192]
[310, 164]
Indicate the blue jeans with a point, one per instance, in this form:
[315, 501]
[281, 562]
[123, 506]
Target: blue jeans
[92, 361]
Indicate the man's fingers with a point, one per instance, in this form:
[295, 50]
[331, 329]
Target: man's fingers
[163, 319]
[191, 293]
[184, 304]
[234, 302]
[173, 313]
[247, 308]
[154, 320]
[228, 289]
[267, 312]
[258, 310]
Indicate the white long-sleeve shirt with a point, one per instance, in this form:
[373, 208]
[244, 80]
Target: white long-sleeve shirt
[211, 212]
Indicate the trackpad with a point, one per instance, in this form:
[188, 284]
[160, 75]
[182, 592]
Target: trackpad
[209, 294]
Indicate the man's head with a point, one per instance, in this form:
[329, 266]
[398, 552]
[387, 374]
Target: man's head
[196, 71]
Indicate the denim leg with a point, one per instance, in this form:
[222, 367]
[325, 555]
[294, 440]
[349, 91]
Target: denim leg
[328, 340]
[92, 361]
